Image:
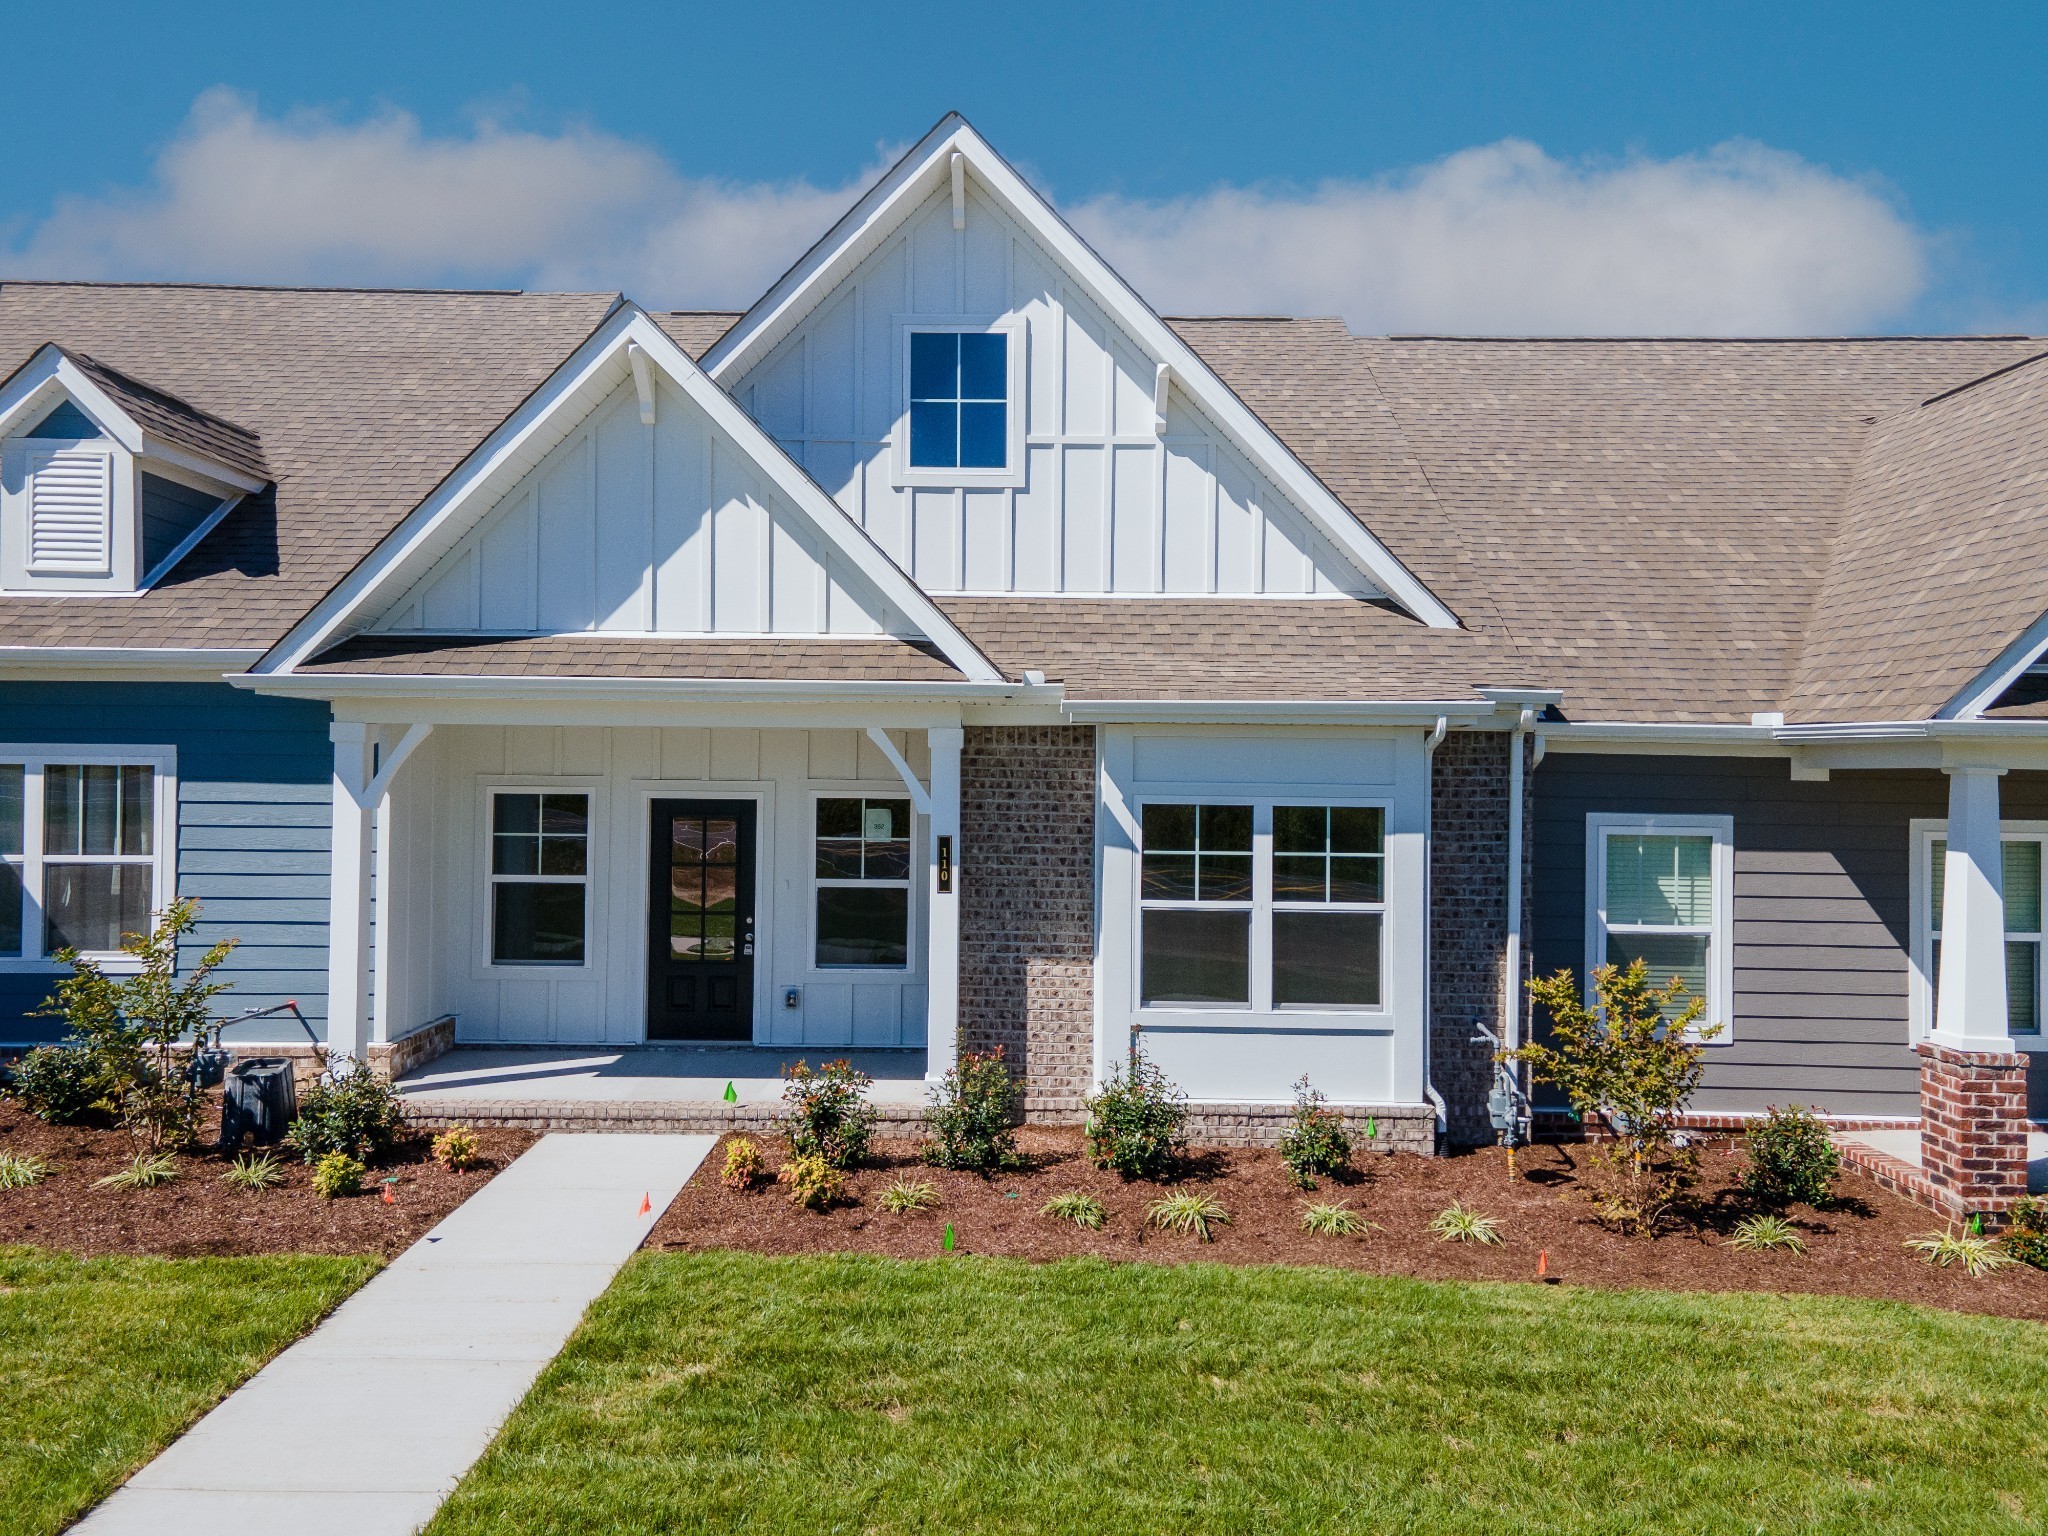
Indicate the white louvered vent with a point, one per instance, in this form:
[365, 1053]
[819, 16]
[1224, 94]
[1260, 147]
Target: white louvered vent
[70, 511]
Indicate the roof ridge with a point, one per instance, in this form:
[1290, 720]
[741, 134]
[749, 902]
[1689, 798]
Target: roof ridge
[1749, 341]
[1986, 379]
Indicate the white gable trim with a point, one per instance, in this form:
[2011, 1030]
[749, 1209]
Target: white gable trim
[524, 438]
[930, 166]
[2025, 652]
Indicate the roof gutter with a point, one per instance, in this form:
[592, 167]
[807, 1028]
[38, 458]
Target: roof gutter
[1275, 711]
[201, 661]
[327, 685]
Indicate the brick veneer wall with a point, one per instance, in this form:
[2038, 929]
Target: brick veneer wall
[1027, 906]
[1973, 1126]
[1468, 917]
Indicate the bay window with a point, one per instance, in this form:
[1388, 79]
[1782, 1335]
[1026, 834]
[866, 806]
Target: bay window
[84, 849]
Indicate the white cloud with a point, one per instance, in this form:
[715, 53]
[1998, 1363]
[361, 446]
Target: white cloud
[1502, 238]
[1741, 240]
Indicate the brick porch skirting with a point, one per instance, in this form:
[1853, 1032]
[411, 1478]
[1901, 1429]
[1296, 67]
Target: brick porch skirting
[1973, 1128]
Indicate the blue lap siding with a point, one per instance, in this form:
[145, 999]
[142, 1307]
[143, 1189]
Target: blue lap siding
[253, 820]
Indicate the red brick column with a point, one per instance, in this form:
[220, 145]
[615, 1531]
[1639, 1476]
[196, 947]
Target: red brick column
[1973, 1126]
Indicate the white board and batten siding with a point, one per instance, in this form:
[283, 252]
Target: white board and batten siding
[1220, 1055]
[1102, 503]
[629, 529]
[439, 934]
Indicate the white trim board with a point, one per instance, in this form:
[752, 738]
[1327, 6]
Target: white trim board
[920, 173]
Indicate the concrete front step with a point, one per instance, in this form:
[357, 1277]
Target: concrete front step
[657, 1115]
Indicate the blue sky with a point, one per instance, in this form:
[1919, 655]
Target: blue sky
[1587, 167]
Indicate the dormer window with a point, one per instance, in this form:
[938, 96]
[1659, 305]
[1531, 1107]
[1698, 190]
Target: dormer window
[105, 483]
[962, 422]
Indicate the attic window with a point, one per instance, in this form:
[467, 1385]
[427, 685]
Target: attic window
[959, 400]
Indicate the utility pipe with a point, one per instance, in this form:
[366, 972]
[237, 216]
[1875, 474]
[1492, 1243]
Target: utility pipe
[1511, 983]
[1430, 743]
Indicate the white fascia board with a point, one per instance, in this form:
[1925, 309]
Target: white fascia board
[334, 685]
[73, 660]
[1272, 712]
[39, 381]
[830, 519]
[919, 173]
[1985, 689]
[156, 450]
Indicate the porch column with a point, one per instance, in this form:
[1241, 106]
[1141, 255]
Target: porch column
[348, 894]
[942, 964]
[1973, 1085]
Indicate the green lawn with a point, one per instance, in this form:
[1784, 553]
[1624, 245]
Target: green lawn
[104, 1361]
[727, 1392]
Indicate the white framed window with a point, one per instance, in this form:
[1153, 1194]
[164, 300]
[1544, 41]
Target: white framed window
[87, 850]
[539, 877]
[1262, 905]
[962, 420]
[1662, 889]
[2023, 848]
[860, 898]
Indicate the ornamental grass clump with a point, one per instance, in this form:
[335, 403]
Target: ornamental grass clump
[1083, 1211]
[908, 1196]
[1630, 1061]
[1458, 1224]
[968, 1119]
[1766, 1233]
[1315, 1143]
[353, 1111]
[1137, 1123]
[19, 1172]
[148, 1170]
[744, 1165]
[1331, 1218]
[1188, 1212]
[1791, 1159]
[336, 1175]
[1974, 1253]
[253, 1172]
[458, 1149]
[826, 1113]
[813, 1183]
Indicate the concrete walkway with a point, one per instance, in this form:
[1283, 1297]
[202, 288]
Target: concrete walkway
[1904, 1144]
[364, 1426]
[472, 1075]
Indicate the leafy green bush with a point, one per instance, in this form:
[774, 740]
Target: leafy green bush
[1137, 1124]
[337, 1174]
[813, 1183]
[969, 1116]
[57, 1083]
[147, 1171]
[253, 1172]
[355, 1112]
[743, 1164]
[1315, 1143]
[458, 1149]
[2027, 1238]
[1791, 1158]
[1084, 1211]
[1765, 1233]
[1186, 1212]
[19, 1172]
[827, 1114]
[134, 1029]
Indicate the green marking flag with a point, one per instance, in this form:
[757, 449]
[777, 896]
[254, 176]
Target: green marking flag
[1372, 1128]
[946, 1242]
[731, 1097]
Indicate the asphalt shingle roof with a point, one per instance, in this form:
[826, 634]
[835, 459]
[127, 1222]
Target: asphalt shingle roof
[881, 659]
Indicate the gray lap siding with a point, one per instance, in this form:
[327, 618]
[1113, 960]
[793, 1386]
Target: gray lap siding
[253, 821]
[1822, 912]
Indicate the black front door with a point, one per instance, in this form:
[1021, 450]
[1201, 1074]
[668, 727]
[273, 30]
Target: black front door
[700, 962]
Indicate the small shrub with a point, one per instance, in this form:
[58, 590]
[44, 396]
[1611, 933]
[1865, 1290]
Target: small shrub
[1977, 1254]
[57, 1083]
[969, 1116]
[1084, 1211]
[2027, 1238]
[253, 1172]
[337, 1174]
[1766, 1233]
[828, 1115]
[1791, 1159]
[1331, 1218]
[744, 1165]
[18, 1172]
[1315, 1143]
[147, 1171]
[1137, 1123]
[1456, 1224]
[1187, 1212]
[458, 1149]
[813, 1183]
[908, 1196]
[355, 1113]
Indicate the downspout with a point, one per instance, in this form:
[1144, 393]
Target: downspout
[1511, 982]
[1430, 743]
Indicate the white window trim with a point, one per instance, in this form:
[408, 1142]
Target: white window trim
[1012, 472]
[1926, 831]
[1720, 937]
[488, 965]
[34, 757]
[1261, 906]
[912, 962]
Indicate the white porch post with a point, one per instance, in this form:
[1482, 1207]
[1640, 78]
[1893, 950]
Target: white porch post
[942, 966]
[348, 899]
[1969, 1011]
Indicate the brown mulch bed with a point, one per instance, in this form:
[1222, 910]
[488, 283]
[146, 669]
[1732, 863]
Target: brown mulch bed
[1852, 1250]
[199, 1215]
